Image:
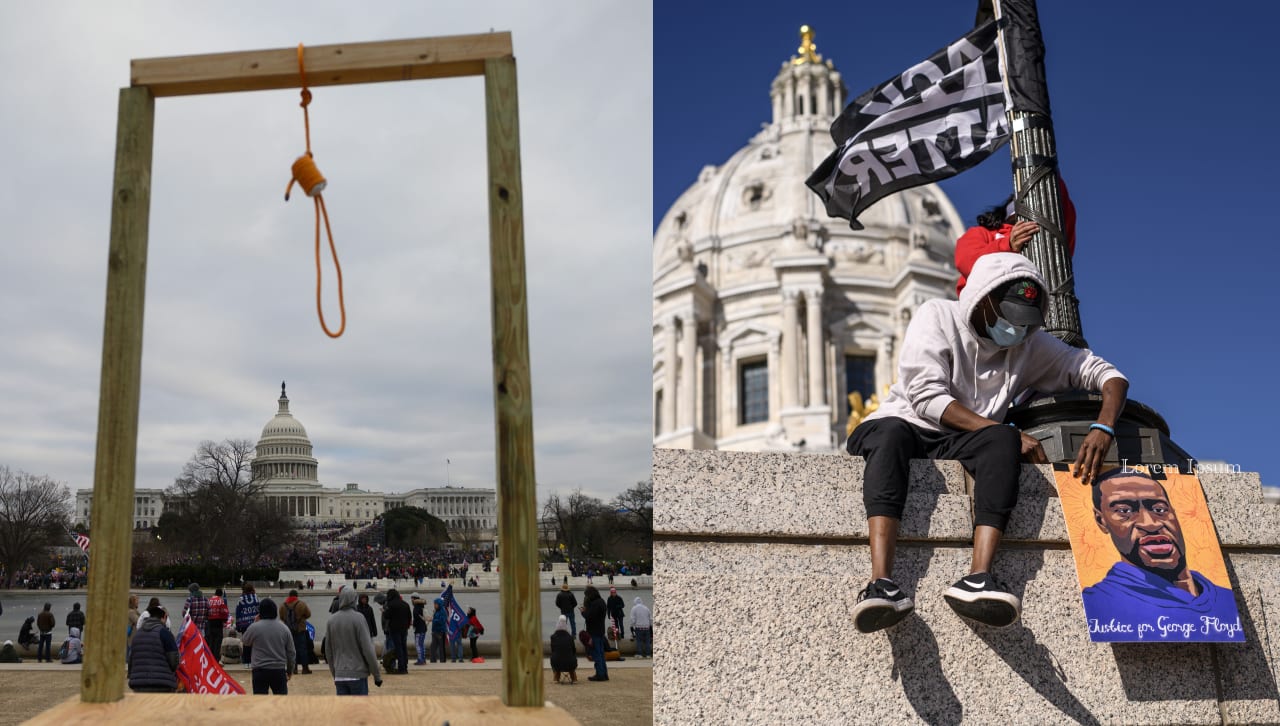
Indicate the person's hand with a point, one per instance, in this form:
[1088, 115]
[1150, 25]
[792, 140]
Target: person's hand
[1089, 457]
[1021, 234]
[1032, 451]
[288, 675]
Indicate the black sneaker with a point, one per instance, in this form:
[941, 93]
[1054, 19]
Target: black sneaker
[982, 598]
[881, 605]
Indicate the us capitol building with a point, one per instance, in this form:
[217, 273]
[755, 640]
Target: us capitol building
[289, 473]
[767, 314]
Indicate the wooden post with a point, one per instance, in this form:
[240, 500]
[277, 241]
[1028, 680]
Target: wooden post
[513, 404]
[102, 678]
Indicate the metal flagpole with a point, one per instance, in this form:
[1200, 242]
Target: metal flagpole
[1035, 177]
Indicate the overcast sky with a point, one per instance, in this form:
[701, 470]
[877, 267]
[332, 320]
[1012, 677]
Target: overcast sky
[231, 278]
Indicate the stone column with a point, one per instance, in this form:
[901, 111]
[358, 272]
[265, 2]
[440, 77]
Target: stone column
[813, 310]
[790, 373]
[791, 95]
[775, 375]
[669, 373]
[688, 369]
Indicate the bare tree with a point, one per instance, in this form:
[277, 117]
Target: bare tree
[34, 514]
[215, 508]
[581, 523]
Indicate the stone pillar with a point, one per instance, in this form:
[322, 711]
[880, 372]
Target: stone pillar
[790, 373]
[824, 100]
[791, 95]
[688, 369]
[775, 375]
[813, 309]
[669, 373]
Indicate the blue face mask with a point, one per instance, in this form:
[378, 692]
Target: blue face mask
[1005, 334]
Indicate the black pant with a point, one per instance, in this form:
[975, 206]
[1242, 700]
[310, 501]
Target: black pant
[402, 650]
[275, 679]
[475, 652]
[991, 455]
[213, 636]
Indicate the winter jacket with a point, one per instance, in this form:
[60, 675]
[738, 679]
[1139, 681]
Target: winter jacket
[272, 645]
[46, 622]
[348, 646]
[399, 617]
[943, 359]
[566, 602]
[595, 615]
[640, 615]
[366, 610]
[440, 618]
[419, 618]
[246, 611]
[75, 619]
[295, 613]
[74, 648]
[979, 241]
[563, 657]
[153, 659]
[617, 607]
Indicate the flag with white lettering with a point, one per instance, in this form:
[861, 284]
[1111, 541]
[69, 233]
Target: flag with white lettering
[456, 616]
[81, 540]
[198, 671]
[932, 121]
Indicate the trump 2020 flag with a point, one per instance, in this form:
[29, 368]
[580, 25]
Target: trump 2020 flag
[197, 670]
[932, 121]
[456, 616]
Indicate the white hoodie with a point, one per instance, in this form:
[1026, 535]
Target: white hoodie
[943, 359]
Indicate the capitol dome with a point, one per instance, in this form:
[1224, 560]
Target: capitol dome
[768, 313]
[284, 450]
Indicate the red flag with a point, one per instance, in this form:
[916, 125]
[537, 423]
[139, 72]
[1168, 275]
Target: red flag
[197, 670]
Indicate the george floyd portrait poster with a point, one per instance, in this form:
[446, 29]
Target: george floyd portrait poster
[1148, 558]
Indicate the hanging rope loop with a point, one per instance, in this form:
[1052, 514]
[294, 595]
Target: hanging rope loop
[308, 176]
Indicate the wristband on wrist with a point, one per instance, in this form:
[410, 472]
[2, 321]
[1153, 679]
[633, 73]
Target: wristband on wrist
[1103, 427]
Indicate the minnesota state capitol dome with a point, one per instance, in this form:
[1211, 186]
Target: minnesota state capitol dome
[767, 314]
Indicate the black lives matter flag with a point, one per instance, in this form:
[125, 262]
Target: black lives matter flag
[932, 121]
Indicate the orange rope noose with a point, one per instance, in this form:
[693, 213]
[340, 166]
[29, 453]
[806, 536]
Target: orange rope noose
[313, 183]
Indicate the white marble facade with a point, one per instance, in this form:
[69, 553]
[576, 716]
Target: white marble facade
[283, 461]
[750, 275]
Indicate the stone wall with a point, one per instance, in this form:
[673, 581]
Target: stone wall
[759, 559]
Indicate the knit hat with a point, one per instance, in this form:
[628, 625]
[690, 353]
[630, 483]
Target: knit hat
[193, 588]
[267, 609]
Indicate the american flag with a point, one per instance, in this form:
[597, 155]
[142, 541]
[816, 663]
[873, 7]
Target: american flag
[81, 540]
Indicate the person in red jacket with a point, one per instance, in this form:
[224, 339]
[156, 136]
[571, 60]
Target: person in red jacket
[999, 230]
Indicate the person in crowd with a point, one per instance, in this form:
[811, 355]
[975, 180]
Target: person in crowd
[133, 624]
[474, 630]
[274, 651]
[215, 627]
[27, 636]
[196, 607]
[564, 660]
[45, 622]
[155, 603]
[439, 630]
[246, 614]
[420, 630]
[295, 613]
[72, 650]
[568, 603]
[348, 649]
[642, 627]
[399, 620]
[594, 612]
[153, 657]
[617, 609]
[455, 643]
[8, 653]
[1000, 230]
[364, 608]
[75, 618]
[963, 364]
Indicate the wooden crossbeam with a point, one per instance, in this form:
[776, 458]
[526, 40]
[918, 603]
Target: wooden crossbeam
[326, 65]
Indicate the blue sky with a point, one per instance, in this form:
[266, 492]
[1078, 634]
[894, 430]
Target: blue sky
[1165, 117]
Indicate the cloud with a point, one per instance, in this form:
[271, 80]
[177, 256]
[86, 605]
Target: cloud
[231, 270]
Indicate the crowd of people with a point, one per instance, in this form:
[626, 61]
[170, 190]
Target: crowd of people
[62, 573]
